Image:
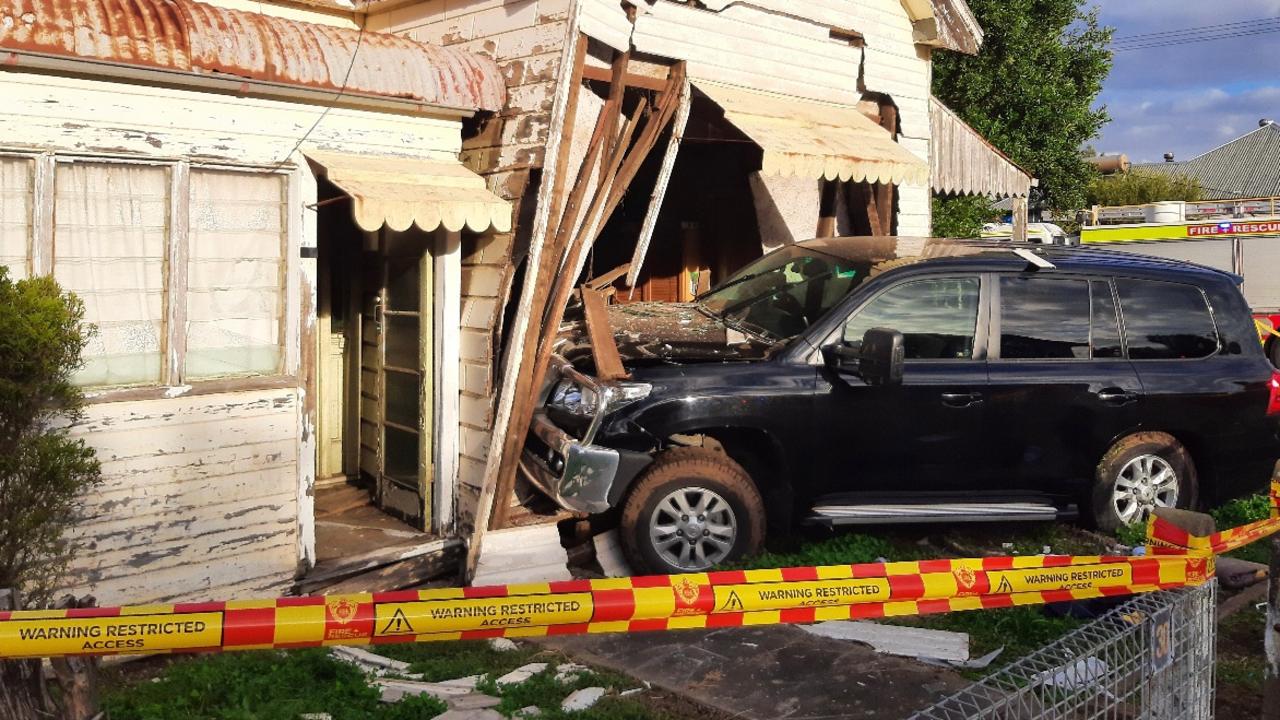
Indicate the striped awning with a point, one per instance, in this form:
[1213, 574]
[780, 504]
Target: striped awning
[400, 192]
[807, 138]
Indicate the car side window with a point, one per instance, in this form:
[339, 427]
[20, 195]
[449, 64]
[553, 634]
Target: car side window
[938, 317]
[1044, 319]
[1166, 321]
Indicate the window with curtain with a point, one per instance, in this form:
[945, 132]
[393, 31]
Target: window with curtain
[15, 214]
[235, 298]
[111, 226]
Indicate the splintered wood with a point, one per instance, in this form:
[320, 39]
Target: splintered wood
[614, 157]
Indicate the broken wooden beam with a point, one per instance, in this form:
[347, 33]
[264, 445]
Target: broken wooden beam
[600, 333]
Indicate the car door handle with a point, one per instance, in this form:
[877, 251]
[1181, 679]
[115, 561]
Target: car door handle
[1117, 396]
[961, 400]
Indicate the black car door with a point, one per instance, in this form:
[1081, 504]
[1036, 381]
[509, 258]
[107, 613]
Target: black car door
[916, 436]
[1060, 389]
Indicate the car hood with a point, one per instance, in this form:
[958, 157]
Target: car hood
[667, 332]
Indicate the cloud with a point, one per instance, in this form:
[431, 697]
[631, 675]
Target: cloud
[1188, 98]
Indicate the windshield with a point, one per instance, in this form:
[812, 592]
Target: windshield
[783, 293]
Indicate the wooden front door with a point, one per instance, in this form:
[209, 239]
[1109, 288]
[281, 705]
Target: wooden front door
[395, 381]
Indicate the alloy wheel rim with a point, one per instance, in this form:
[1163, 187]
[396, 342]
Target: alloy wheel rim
[1143, 484]
[693, 528]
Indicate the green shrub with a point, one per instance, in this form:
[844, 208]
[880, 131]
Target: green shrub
[43, 472]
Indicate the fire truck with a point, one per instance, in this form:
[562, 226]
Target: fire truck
[1239, 236]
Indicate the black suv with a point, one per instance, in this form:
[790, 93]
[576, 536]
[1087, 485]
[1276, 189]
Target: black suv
[876, 380]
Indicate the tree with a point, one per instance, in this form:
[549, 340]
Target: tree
[1141, 187]
[962, 216]
[1031, 90]
[43, 474]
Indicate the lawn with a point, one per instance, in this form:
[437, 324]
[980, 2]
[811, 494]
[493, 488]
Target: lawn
[279, 685]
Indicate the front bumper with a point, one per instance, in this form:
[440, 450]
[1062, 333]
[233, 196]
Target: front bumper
[578, 476]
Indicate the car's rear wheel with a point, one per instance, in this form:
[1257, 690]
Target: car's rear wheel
[1273, 351]
[691, 510]
[1139, 474]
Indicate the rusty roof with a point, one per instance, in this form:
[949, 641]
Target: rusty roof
[194, 37]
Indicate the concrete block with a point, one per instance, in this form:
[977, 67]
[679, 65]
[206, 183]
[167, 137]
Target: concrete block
[609, 554]
[520, 674]
[481, 281]
[579, 700]
[897, 640]
[522, 555]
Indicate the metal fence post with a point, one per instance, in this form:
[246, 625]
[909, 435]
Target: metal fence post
[1271, 686]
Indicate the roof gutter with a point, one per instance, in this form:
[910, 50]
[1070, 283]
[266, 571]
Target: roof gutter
[225, 84]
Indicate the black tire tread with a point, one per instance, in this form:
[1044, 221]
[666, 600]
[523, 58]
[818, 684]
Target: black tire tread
[1101, 495]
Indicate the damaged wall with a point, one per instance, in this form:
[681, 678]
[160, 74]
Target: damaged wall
[198, 499]
[208, 495]
[527, 38]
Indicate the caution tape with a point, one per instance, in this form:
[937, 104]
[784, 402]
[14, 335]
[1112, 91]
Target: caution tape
[1266, 327]
[703, 600]
[663, 602]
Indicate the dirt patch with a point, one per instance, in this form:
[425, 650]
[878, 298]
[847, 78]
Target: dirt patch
[1240, 667]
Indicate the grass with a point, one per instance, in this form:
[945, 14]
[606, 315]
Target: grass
[272, 685]
[266, 685]
[840, 549]
[1019, 630]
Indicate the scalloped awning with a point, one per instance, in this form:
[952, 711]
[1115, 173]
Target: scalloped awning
[807, 138]
[401, 192]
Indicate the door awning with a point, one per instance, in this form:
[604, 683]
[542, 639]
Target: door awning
[400, 192]
[807, 138]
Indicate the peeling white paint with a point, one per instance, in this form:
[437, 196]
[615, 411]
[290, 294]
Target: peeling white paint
[177, 391]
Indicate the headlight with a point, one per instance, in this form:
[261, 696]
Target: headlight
[568, 396]
[574, 399]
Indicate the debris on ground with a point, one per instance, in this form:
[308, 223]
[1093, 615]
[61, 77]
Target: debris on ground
[396, 690]
[502, 644]
[981, 663]
[370, 663]
[1076, 676]
[582, 699]
[473, 701]
[897, 639]
[1236, 574]
[485, 714]
[531, 711]
[609, 555]
[520, 674]
[569, 672]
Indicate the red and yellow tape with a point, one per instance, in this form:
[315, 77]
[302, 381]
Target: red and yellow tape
[664, 602]
[704, 600]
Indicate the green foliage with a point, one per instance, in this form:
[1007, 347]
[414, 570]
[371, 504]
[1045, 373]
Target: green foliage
[841, 549]
[1139, 188]
[1032, 88]
[1132, 535]
[43, 472]
[962, 216]
[1243, 511]
[266, 685]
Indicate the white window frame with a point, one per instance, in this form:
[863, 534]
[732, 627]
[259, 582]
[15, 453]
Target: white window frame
[40, 261]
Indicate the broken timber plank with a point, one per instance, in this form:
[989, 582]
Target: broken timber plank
[660, 187]
[600, 333]
[529, 379]
[373, 560]
[403, 574]
[566, 135]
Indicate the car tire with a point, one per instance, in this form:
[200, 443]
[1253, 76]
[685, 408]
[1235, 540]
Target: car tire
[1273, 352]
[679, 484]
[1133, 477]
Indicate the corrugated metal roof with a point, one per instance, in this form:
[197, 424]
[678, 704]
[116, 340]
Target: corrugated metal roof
[807, 138]
[400, 192]
[1247, 167]
[963, 162]
[193, 37]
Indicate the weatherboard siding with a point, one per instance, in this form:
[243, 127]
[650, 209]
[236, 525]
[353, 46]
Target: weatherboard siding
[198, 498]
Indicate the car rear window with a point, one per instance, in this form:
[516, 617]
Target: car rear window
[1044, 319]
[1166, 321]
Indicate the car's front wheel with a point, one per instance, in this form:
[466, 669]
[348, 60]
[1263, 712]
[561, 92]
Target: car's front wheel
[1139, 474]
[691, 510]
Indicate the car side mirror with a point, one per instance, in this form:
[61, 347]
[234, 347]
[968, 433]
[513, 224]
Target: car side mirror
[878, 360]
[882, 357]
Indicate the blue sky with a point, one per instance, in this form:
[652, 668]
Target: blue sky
[1187, 99]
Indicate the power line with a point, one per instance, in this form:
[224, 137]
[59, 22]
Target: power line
[1195, 40]
[1123, 39]
[342, 90]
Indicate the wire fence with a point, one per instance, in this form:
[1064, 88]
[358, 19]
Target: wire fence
[1149, 659]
